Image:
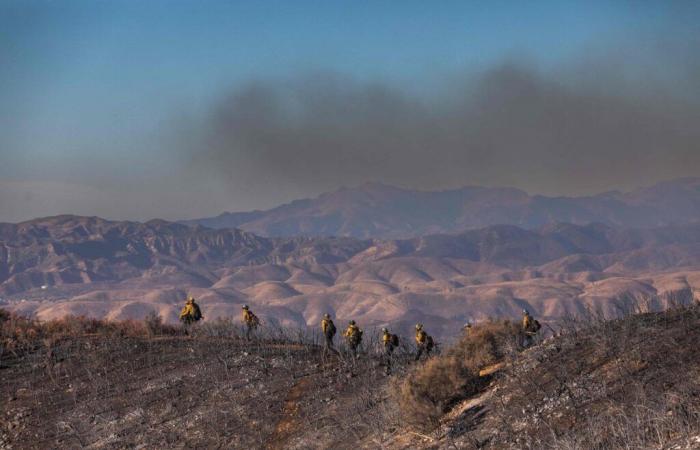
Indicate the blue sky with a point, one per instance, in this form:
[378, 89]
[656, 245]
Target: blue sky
[90, 91]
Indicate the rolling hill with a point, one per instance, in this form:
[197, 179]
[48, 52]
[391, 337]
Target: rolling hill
[120, 270]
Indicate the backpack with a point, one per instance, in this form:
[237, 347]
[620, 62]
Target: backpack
[536, 326]
[252, 320]
[394, 340]
[429, 343]
[331, 329]
[356, 336]
[197, 313]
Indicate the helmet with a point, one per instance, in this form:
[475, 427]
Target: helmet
[245, 306]
[327, 316]
[525, 311]
[352, 322]
[190, 298]
[384, 330]
[419, 326]
[468, 325]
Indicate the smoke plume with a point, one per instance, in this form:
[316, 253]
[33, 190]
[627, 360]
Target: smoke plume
[589, 128]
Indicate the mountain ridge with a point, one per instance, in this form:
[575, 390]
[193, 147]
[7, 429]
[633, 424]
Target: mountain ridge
[376, 210]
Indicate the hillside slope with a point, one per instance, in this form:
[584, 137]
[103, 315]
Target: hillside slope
[116, 385]
[627, 383]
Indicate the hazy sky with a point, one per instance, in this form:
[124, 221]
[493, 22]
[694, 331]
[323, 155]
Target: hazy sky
[174, 109]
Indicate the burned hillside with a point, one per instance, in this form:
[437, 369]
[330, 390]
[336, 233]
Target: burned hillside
[630, 382]
[80, 383]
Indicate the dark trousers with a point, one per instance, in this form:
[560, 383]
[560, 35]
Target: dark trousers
[187, 323]
[328, 345]
[421, 349]
[249, 331]
[353, 348]
[388, 353]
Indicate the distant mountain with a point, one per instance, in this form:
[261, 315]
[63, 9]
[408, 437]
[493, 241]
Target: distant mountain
[89, 266]
[77, 250]
[65, 250]
[379, 211]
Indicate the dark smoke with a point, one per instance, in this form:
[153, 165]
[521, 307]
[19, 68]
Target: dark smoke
[511, 125]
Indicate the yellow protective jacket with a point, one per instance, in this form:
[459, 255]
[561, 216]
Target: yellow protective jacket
[527, 322]
[187, 311]
[250, 319]
[386, 338]
[421, 337]
[326, 324]
[353, 332]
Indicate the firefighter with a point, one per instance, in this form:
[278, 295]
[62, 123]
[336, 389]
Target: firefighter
[530, 327]
[424, 342]
[527, 320]
[353, 337]
[467, 329]
[190, 314]
[391, 342]
[250, 321]
[328, 330]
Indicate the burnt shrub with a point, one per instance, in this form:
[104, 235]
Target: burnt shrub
[17, 333]
[430, 389]
[156, 327]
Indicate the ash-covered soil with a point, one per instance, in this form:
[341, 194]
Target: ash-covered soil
[630, 383]
[103, 392]
[599, 384]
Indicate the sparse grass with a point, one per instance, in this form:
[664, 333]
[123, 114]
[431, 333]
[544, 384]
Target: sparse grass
[624, 383]
[628, 383]
[120, 384]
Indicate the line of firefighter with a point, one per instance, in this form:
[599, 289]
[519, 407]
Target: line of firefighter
[191, 313]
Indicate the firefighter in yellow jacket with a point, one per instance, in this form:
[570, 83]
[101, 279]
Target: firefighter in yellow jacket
[527, 320]
[390, 341]
[250, 321]
[530, 328]
[467, 329]
[424, 342]
[353, 337]
[328, 330]
[190, 314]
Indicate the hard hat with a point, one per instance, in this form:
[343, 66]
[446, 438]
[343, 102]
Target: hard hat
[468, 325]
[327, 316]
[419, 326]
[525, 311]
[384, 330]
[352, 322]
[245, 306]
